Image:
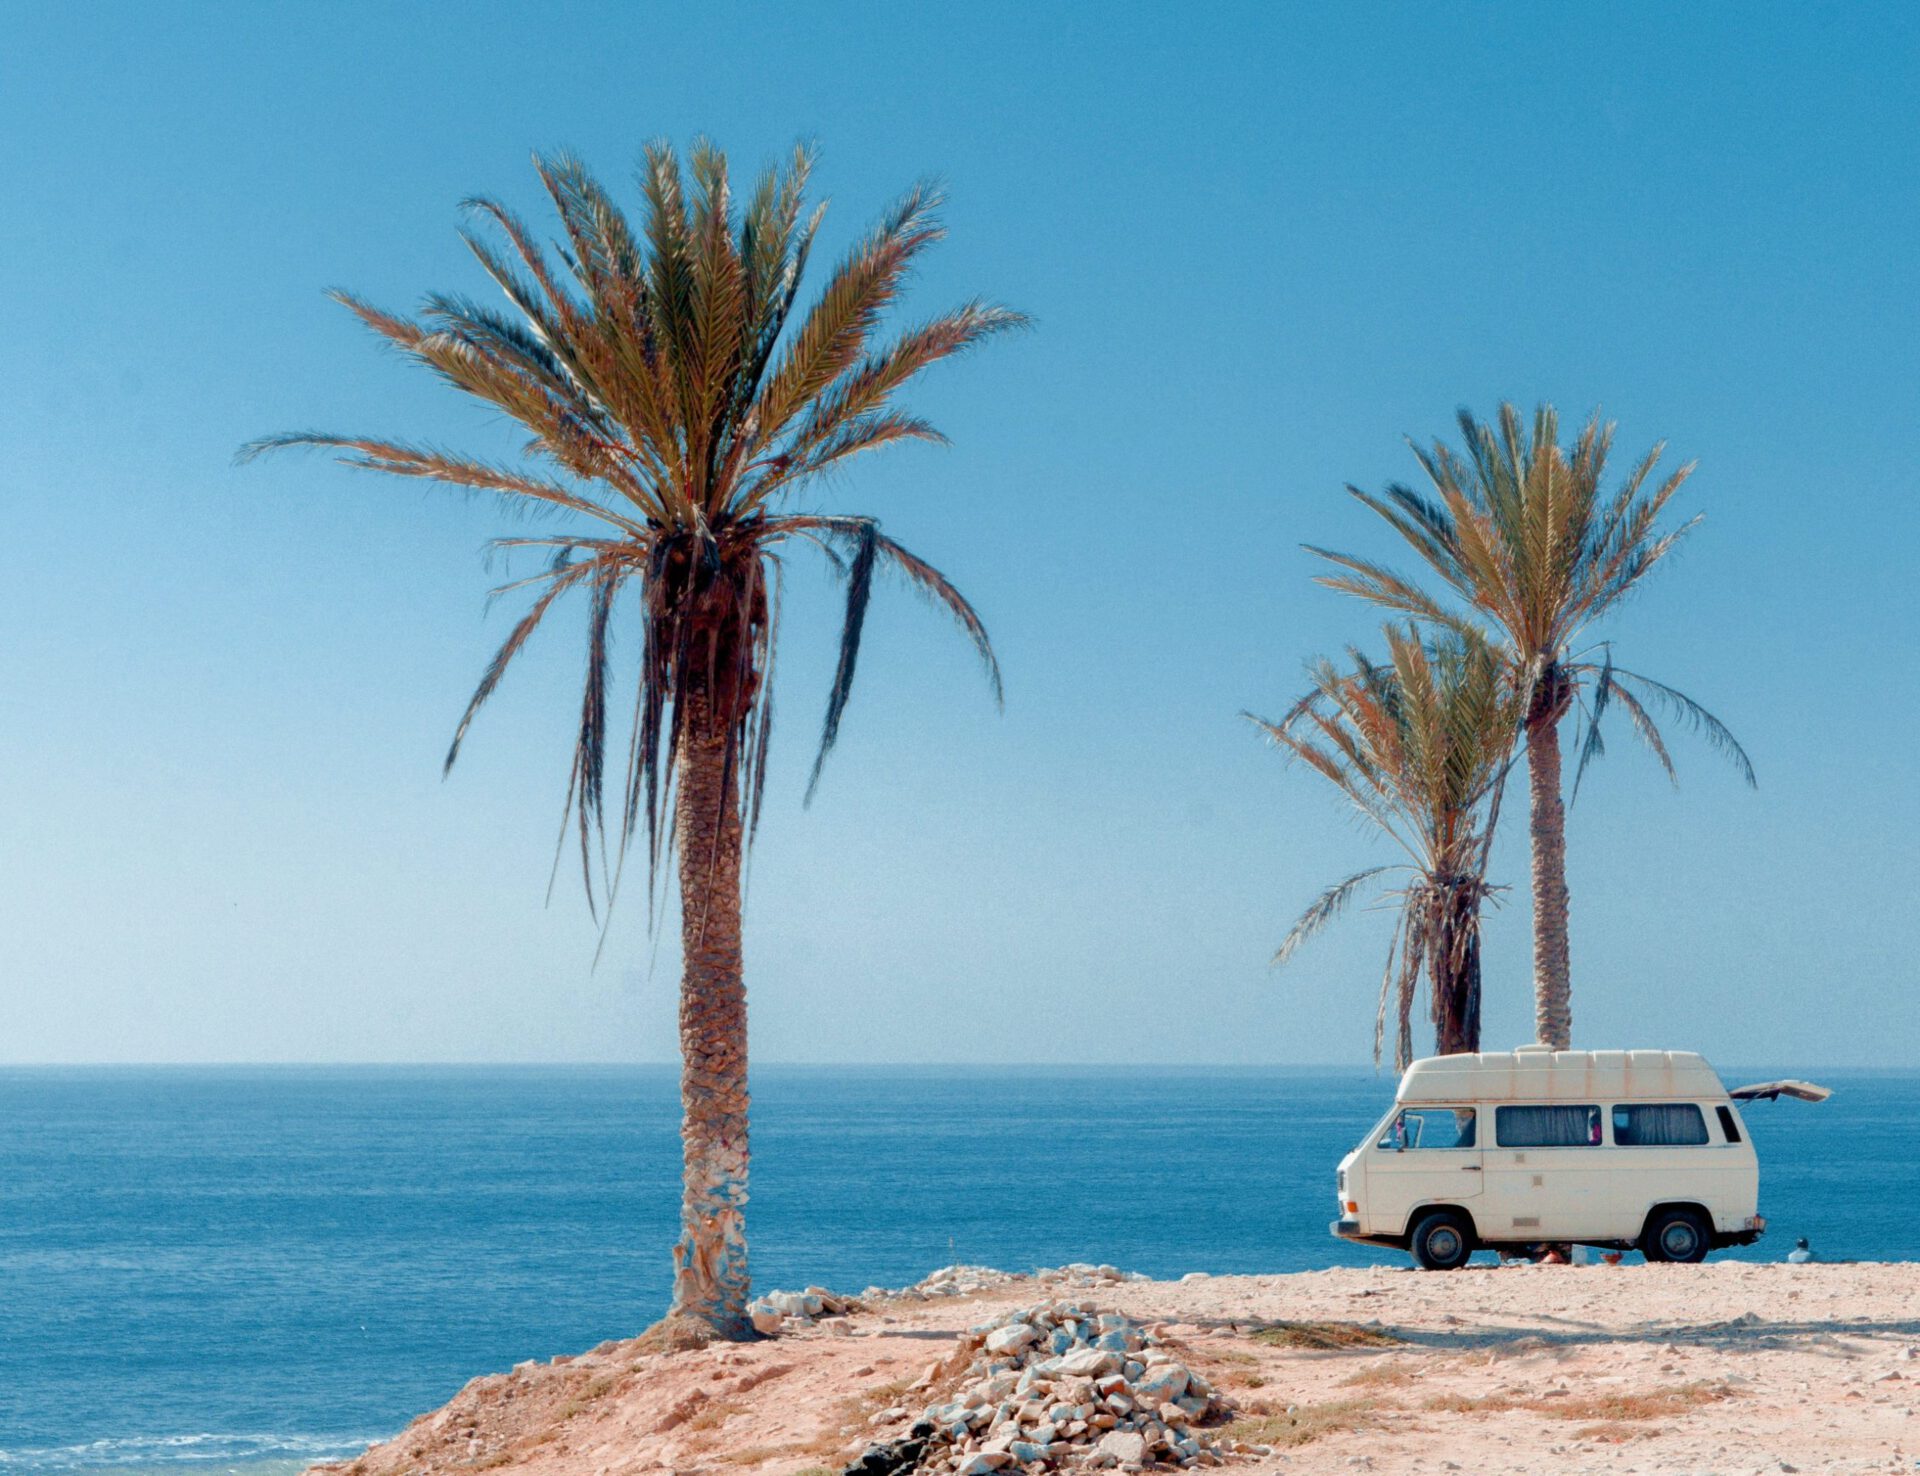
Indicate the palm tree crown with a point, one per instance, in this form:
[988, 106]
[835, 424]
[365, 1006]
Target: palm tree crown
[678, 419]
[678, 406]
[1420, 745]
[1524, 534]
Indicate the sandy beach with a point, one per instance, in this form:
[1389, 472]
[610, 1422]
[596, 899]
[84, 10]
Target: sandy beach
[1723, 1368]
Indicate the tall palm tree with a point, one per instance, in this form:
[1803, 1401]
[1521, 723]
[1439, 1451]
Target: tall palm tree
[1420, 746]
[678, 408]
[1520, 530]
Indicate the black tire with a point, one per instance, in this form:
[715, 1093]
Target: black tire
[1441, 1241]
[1679, 1235]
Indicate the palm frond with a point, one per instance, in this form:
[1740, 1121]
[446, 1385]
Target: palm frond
[866, 551]
[1698, 719]
[559, 583]
[1324, 909]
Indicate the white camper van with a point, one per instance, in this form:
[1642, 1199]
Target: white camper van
[1624, 1149]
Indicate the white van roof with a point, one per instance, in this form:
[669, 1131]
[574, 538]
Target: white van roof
[1535, 1073]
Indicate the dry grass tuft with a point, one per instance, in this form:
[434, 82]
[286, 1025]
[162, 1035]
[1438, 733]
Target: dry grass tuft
[1306, 1423]
[1381, 1376]
[713, 1414]
[1324, 1336]
[1653, 1404]
[1617, 1432]
[675, 1335]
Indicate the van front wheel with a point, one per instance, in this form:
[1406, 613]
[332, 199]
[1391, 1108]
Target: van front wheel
[1681, 1235]
[1442, 1241]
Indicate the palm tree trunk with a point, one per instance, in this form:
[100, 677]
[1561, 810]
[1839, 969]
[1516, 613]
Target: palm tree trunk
[1552, 989]
[1455, 974]
[710, 1283]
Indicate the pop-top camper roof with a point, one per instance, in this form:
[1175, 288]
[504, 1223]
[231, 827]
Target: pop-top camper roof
[1537, 1074]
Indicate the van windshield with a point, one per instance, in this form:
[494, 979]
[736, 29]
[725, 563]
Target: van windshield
[1428, 1127]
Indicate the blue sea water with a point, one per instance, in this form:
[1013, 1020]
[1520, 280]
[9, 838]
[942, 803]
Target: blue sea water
[211, 1269]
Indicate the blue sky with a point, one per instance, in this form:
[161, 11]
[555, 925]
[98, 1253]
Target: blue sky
[1262, 244]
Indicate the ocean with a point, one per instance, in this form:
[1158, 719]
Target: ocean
[213, 1269]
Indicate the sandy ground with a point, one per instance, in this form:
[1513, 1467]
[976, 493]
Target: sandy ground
[1720, 1368]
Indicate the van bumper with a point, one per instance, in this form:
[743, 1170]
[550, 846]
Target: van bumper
[1350, 1230]
[1755, 1227]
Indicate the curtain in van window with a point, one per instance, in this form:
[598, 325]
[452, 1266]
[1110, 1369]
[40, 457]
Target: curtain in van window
[1547, 1127]
[1660, 1125]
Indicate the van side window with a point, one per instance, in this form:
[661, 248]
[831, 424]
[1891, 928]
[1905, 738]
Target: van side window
[1728, 1125]
[1659, 1125]
[1554, 1126]
[1429, 1127]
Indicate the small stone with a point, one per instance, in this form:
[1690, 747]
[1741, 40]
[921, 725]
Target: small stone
[766, 1320]
[1122, 1445]
[1011, 1339]
[1196, 1276]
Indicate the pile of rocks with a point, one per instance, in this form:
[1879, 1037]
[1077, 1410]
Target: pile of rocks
[814, 1306]
[948, 1281]
[1078, 1273]
[1062, 1384]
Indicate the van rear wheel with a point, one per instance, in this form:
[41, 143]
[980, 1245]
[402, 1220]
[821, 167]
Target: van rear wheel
[1442, 1241]
[1680, 1235]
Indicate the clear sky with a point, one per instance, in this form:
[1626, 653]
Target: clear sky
[1262, 244]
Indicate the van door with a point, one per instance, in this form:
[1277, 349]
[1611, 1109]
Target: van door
[1546, 1174]
[1423, 1155]
[1664, 1153]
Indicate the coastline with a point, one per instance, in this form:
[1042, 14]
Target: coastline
[1729, 1366]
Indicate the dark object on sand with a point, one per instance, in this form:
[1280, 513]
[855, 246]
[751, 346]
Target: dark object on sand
[894, 1457]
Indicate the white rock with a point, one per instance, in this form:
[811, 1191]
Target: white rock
[765, 1319]
[1122, 1445]
[1011, 1339]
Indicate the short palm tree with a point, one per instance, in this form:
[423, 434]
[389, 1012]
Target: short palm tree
[1521, 532]
[678, 408]
[1421, 746]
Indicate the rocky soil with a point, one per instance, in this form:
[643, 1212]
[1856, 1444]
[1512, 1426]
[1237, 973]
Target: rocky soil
[1722, 1368]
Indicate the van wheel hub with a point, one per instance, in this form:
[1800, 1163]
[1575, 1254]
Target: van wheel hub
[1679, 1240]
